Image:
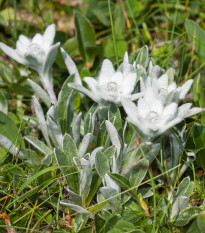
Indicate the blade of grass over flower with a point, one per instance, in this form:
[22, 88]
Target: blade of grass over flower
[113, 34]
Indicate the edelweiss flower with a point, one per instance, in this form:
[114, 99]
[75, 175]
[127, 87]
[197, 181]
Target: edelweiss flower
[36, 52]
[152, 118]
[163, 85]
[111, 85]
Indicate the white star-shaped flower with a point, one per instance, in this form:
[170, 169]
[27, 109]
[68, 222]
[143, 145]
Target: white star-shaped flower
[152, 118]
[163, 85]
[36, 53]
[111, 85]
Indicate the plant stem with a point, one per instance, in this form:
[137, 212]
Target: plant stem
[174, 23]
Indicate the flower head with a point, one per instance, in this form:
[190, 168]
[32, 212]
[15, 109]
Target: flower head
[157, 109]
[163, 85]
[152, 118]
[33, 52]
[111, 85]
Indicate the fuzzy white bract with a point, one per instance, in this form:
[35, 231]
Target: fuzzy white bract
[152, 117]
[163, 85]
[111, 85]
[33, 52]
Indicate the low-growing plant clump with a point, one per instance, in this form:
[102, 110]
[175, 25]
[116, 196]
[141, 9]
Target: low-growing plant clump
[118, 146]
